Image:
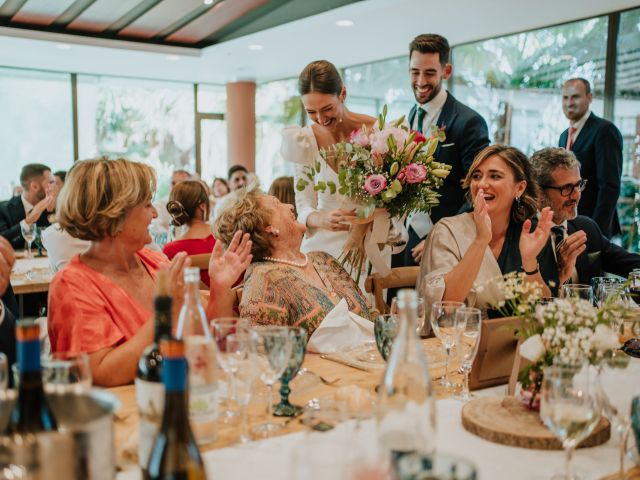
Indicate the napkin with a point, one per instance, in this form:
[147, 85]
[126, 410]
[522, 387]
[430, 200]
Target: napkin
[339, 329]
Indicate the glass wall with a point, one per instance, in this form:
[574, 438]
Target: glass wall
[277, 105]
[35, 123]
[515, 82]
[212, 106]
[141, 120]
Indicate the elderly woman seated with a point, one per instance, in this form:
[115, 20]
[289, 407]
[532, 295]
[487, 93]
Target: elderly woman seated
[284, 286]
[467, 253]
[102, 301]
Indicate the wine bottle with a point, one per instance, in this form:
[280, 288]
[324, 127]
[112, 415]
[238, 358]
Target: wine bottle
[201, 354]
[406, 404]
[31, 412]
[149, 387]
[175, 455]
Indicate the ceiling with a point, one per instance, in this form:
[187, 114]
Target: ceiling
[257, 51]
[189, 23]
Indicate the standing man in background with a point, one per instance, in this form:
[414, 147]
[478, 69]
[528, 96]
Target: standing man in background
[597, 144]
[466, 134]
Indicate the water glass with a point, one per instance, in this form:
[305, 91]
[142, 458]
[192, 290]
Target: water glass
[272, 348]
[568, 407]
[577, 290]
[420, 312]
[448, 327]
[238, 345]
[66, 371]
[28, 233]
[384, 330]
[468, 346]
[597, 284]
[436, 466]
[4, 371]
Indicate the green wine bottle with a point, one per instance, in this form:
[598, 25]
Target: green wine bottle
[31, 412]
[175, 454]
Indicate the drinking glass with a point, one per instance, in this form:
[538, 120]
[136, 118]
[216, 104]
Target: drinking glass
[298, 347]
[238, 348]
[420, 312]
[384, 330]
[66, 371]
[468, 346]
[568, 407]
[4, 371]
[615, 295]
[597, 284]
[434, 466]
[272, 348]
[28, 233]
[448, 327]
[230, 354]
[634, 285]
[577, 290]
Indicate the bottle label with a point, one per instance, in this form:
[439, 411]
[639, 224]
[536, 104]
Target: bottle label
[150, 400]
[203, 399]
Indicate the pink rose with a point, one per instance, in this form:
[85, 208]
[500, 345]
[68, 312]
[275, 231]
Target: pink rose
[359, 137]
[374, 184]
[413, 173]
[379, 145]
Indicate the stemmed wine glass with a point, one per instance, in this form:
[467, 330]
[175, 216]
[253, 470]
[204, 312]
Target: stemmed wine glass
[468, 345]
[598, 284]
[298, 349]
[448, 327]
[230, 353]
[28, 233]
[238, 349]
[568, 408]
[272, 348]
[393, 309]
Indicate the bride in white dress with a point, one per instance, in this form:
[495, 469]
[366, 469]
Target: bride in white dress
[327, 216]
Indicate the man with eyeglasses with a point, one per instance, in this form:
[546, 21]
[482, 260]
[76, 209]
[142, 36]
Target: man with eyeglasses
[582, 250]
[597, 144]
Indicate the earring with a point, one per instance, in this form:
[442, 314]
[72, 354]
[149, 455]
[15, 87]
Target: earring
[276, 232]
[517, 201]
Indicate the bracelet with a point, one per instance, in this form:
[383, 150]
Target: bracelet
[532, 272]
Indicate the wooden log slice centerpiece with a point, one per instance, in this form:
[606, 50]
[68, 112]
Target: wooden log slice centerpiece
[507, 421]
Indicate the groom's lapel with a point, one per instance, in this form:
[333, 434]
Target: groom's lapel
[447, 117]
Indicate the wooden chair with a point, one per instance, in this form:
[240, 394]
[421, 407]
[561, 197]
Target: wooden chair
[399, 277]
[200, 260]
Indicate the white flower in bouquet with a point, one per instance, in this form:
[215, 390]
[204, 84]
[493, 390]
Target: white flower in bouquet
[605, 338]
[520, 296]
[532, 348]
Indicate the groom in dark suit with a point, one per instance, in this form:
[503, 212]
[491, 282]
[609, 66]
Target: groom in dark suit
[582, 250]
[466, 134]
[33, 206]
[598, 145]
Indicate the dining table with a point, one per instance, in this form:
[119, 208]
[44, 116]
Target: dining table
[349, 445]
[30, 275]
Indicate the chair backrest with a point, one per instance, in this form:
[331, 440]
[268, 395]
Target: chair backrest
[201, 260]
[399, 277]
[496, 353]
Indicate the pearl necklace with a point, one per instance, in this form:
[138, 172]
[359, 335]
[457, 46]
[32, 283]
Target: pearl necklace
[289, 262]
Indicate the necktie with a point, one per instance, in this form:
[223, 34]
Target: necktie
[421, 114]
[572, 132]
[558, 234]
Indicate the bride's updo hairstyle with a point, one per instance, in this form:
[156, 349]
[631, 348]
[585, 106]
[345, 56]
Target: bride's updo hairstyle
[320, 76]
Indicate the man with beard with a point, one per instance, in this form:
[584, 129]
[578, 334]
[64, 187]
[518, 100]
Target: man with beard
[32, 207]
[466, 134]
[597, 144]
[582, 250]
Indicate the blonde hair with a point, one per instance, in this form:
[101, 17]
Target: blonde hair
[184, 200]
[99, 193]
[244, 212]
[521, 169]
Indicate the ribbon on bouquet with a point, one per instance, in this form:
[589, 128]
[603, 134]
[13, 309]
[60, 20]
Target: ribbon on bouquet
[379, 234]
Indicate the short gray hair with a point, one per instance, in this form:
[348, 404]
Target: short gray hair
[546, 161]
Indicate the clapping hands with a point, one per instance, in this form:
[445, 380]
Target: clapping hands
[227, 265]
[531, 243]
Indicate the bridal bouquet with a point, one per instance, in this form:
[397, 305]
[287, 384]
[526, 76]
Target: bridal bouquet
[386, 171]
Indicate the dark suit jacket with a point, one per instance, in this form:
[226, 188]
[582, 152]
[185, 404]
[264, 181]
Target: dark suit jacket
[599, 150]
[11, 213]
[8, 337]
[601, 256]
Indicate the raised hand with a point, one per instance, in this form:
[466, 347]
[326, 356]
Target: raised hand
[481, 218]
[46, 203]
[531, 243]
[226, 266]
[571, 247]
[335, 220]
[176, 279]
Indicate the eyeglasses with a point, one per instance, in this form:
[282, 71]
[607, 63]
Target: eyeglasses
[567, 190]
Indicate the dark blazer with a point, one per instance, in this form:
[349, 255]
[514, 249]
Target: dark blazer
[8, 337]
[11, 213]
[599, 150]
[601, 256]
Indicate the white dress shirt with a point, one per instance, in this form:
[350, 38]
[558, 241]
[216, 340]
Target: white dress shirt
[578, 124]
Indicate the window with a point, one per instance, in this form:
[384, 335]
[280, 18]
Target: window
[515, 82]
[35, 123]
[277, 105]
[141, 120]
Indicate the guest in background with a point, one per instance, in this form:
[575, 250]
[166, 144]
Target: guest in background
[102, 301]
[284, 286]
[219, 189]
[597, 144]
[32, 207]
[582, 250]
[282, 189]
[164, 219]
[465, 254]
[465, 129]
[237, 177]
[59, 177]
[189, 205]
